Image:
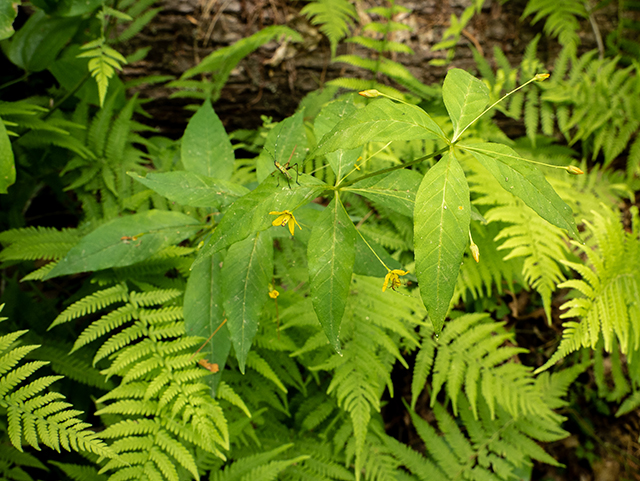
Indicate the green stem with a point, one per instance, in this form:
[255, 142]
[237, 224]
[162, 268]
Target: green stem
[537, 77]
[396, 167]
[14, 81]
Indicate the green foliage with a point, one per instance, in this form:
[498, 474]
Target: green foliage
[592, 101]
[334, 17]
[377, 37]
[451, 36]
[236, 322]
[103, 64]
[488, 445]
[562, 18]
[609, 287]
[36, 414]
[163, 411]
[221, 62]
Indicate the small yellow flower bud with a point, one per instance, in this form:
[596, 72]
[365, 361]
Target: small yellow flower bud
[541, 76]
[475, 252]
[572, 169]
[371, 93]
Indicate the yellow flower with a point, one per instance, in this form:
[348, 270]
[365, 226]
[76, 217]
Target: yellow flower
[273, 294]
[392, 277]
[283, 219]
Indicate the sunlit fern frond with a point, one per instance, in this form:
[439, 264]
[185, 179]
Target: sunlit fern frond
[605, 300]
[470, 354]
[35, 412]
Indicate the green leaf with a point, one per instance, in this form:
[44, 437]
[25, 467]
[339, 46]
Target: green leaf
[7, 163]
[288, 135]
[380, 121]
[251, 213]
[524, 180]
[189, 188]
[8, 13]
[204, 315]
[206, 148]
[395, 190]
[331, 254]
[37, 44]
[341, 161]
[246, 272]
[223, 60]
[441, 233]
[113, 244]
[465, 98]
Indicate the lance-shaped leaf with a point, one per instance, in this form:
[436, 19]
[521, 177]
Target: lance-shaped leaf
[251, 213]
[465, 97]
[206, 148]
[524, 180]
[331, 253]
[341, 161]
[381, 121]
[441, 233]
[125, 241]
[203, 314]
[247, 270]
[287, 138]
[189, 188]
[395, 190]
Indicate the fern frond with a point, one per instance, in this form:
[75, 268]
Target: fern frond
[487, 448]
[103, 63]
[469, 354]
[31, 243]
[609, 288]
[494, 269]
[371, 321]
[563, 18]
[35, 416]
[335, 17]
[92, 303]
[542, 245]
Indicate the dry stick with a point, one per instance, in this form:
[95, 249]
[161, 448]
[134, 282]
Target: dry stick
[205, 342]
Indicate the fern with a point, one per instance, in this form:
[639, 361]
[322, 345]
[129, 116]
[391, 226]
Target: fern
[562, 18]
[335, 17]
[478, 279]
[103, 185]
[37, 243]
[382, 45]
[541, 245]
[38, 127]
[451, 36]
[371, 323]
[77, 472]
[468, 354]
[488, 448]
[162, 408]
[34, 415]
[593, 101]
[104, 60]
[609, 290]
